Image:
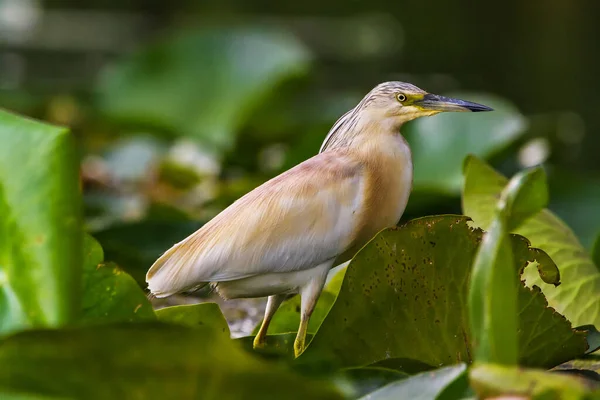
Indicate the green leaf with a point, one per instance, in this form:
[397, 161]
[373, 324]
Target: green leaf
[491, 380]
[110, 294]
[493, 299]
[524, 196]
[368, 379]
[494, 285]
[40, 225]
[425, 386]
[194, 315]
[145, 361]
[201, 83]
[404, 296]
[440, 144]
[578, 298]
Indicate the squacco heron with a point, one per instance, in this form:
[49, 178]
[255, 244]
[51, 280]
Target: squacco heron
[283, 237]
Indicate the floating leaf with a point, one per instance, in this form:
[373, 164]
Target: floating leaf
[424, 386]
[368, 379]
[404, 296]
[144, 361]
[201, 83]
[40, 225]
[578, 297]
[494, 284]
[491, 380]
[194, 315]
[110, 294]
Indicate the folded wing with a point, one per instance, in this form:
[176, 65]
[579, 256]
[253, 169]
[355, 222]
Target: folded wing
[295, 221]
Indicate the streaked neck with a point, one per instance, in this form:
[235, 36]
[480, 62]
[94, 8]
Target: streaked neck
[355, 125]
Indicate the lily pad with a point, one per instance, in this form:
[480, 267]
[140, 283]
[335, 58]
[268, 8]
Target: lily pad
[578, 298]
[491, 380]
[110, 294]
[194, 315]
[405, 296]
[424, 386]
[146, 360]
[201, 83]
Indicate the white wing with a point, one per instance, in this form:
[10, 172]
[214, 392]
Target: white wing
[295, 221]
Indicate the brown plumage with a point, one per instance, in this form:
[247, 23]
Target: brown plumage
[284, 236]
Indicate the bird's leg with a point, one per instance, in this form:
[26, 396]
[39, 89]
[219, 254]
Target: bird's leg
[273, 304]
[309, 294]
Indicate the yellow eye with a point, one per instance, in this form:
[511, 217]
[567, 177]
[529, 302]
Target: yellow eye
[401, 97]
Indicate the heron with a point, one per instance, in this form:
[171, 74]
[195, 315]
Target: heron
[283, 237]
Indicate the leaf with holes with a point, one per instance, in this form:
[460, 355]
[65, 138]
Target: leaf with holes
[405, 296]
[578, 297]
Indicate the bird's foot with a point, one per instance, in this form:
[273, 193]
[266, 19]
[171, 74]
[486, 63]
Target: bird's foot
[298, 346]
[259, 342]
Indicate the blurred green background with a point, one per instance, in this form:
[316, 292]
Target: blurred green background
[181, 107]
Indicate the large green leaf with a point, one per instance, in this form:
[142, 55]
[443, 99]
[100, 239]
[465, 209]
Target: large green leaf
[203, 314]
[494, 285]
[440, 144]
[40, 225]
[578, 298]
[110, 294]
[368, 379]
[404, 296]
[424, 386]
[201, 83]
[144, 361]
[494, 381]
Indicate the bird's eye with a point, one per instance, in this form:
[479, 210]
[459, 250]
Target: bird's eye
[401, 97]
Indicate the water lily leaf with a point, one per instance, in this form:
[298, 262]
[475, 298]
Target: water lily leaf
[491, 380]
[201, 83]
[578, 297]
[404, 296]
[110, 294]
[195, 315]
[368, 379]
[146, 360]
[425, 386]
[494, 284]
[440, 144]
[40, 225]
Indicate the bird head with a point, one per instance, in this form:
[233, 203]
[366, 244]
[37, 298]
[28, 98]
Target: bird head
[388, 106]
[403, 102]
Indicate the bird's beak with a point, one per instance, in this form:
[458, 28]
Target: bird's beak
[433, 102]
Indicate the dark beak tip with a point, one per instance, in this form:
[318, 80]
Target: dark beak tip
[480, 108]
